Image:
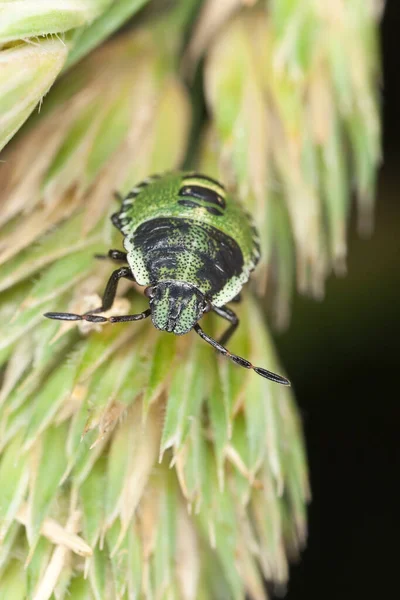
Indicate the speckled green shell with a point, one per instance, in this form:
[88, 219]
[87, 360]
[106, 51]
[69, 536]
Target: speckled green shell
[186, 227]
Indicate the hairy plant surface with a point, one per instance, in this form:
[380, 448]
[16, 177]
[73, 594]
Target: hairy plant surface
[135, 464]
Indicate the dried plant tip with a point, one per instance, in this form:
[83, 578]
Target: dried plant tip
[58, 534]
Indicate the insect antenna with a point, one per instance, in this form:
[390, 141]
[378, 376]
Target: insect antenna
[97, 318]
[238, 359]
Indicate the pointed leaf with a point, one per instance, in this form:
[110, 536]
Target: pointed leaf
[80, 589]
[14, 476]
[39, 18]
[102, 395]
[47, 356]
[55, 245]
[24, 322]
[38, 564]
[17, 366]
[98, 574]
[135, 562]
[165, 547]
[13, 581]
[92, 494]
[27, 72]
[52, 464]
[57, 388]
[220, 426]
[161, 367]
[101, 345]
[191, 465]
[110, 133]
[118, 558]
[62, 275]
[256, 421]
[7, 545]
[120, 457]
[68, 165]
[187, 390]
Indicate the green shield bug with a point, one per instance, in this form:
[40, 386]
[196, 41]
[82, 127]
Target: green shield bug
[193, 247]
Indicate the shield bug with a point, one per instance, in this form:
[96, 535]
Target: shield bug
[193, 247]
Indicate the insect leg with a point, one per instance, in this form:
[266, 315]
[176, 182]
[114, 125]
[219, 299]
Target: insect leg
[97, 318]
[107, 302]
[111, 289]
[238, 359]
[115, 255]
[124, 318]
[229, 315]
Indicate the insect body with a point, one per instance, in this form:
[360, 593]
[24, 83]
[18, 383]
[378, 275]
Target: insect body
[192, 246]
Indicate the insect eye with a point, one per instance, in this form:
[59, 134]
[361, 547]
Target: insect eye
[149, 292]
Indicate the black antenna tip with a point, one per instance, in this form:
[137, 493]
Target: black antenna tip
[62, 316]
[272, 376]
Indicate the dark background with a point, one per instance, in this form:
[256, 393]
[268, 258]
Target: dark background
[343, 357]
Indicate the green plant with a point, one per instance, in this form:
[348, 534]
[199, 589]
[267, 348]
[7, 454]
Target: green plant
[135, 464]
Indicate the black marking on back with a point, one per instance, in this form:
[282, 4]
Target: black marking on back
[192, 204]
[204, 177]
[163, 240]
[256, 254]
[135, 191]
[140, 186]
[116, 221]
[119, 219]
[202, 193]
[189, 203]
